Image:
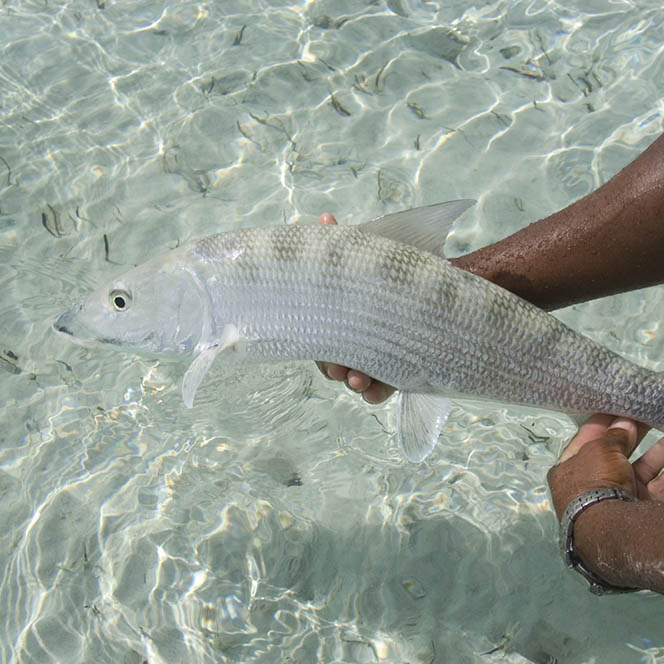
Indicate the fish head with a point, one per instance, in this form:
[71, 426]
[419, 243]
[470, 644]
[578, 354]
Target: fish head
[157, 308]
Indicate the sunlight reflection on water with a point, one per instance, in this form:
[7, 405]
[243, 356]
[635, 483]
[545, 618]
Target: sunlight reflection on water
[276, 521]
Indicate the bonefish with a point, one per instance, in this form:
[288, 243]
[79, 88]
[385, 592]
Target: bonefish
[379, 297]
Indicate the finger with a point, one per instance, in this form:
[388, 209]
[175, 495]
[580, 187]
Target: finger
[327, 219]
[372, 390]
[650, 464]
[357, 381]
[377, 392]
[593, 428]
[335, 371]
[655, 488]
[628, 442]
[620, 431]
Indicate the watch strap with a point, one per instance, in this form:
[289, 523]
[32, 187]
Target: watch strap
[597, 585]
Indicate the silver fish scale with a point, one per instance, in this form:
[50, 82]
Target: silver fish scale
[410, 319]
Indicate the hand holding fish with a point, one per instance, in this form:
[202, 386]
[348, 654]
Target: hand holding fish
[588, 250]
[621, 542]
[598, 456]
[380, 296]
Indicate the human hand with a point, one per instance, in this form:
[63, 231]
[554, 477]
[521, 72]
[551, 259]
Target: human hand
[372, 390]
[598, 456]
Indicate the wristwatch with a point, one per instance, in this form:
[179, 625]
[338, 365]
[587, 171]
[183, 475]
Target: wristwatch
[597, 585]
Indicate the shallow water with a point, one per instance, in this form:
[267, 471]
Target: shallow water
[277, 521]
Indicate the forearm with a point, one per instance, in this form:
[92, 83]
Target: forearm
[622, 542]
[608, 242]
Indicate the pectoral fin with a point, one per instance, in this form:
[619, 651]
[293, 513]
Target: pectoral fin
[230, 337]
[420, 417]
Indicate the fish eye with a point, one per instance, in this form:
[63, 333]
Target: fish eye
[120, 299]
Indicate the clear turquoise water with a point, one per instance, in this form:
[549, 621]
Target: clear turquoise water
[276, 521]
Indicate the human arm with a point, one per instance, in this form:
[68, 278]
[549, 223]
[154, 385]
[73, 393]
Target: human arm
[622, 542]
[608, 242]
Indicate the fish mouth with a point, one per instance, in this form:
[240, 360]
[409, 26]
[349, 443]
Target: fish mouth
[66, 325]
[60, 326]
[63, 323]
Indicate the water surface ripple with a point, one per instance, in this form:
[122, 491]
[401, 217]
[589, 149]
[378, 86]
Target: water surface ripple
[277, 521]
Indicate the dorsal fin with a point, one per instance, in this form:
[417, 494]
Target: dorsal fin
[424, 227]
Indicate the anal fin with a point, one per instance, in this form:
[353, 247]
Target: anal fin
[420, 417]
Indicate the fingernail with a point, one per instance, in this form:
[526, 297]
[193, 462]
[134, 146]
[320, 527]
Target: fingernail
[623, 423]
[355, 383]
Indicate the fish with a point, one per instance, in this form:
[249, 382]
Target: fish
[379, 297]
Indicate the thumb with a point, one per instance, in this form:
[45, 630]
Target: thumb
[595, 428]
[625, 434]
